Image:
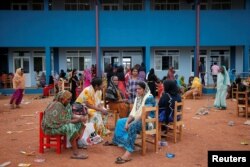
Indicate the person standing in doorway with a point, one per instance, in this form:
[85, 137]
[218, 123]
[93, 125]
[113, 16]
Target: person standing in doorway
[18, 85]
[215, 70]
[202, 71]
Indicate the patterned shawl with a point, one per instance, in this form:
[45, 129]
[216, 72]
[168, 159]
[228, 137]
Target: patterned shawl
[19, 80]
[113, 92]
[56, 114]
[140, 102]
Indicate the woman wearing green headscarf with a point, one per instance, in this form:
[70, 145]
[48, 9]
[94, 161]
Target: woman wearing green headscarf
[182, 84]
[223, 81]
[58, 119]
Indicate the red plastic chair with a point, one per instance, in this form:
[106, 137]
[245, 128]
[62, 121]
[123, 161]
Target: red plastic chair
[47, 141]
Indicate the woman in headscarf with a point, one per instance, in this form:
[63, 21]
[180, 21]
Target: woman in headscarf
[18, 85]
[182, 84]
[87, 77]
[116, 99]
[46, 89]
[92, 96]
[127, 128]
[59, 119]
[121, 80]
[170, 74]
[73, 85]
[223, 81]
[43, 79]
[196, 88]
[152, 79]
[168, 99]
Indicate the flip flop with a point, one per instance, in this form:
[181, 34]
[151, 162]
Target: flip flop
[107, 143]
[82, 147]
[119, 160]
[79, 156]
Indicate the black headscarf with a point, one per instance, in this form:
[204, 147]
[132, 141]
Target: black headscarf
[170, 87]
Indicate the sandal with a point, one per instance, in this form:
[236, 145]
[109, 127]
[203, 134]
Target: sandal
[82, 147]
[107, 143]
[119, 160]
[79, 156]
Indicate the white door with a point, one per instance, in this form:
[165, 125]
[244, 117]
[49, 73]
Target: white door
[23, 62]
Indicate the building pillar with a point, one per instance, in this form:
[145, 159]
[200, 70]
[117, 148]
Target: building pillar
[56, 60]
[48, 63]
[246, 59]
[197, 44]
[147, 58]
[97, 47]
[232, 57]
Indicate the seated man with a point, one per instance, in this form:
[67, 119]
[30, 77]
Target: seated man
[59, 120]
[116, 99]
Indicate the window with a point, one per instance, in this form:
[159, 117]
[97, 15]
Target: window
[37, 5]
[221, 4]
[79, 60]
[203, 5]
[77, 5]
[27, 5]
[110, 5]
[221, 56]
[38, 60]
[166, 58]
[133, 5]
[166, 5]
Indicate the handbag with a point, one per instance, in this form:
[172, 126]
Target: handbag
[79, 109]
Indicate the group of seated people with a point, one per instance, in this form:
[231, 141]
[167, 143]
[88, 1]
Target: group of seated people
[59, 119]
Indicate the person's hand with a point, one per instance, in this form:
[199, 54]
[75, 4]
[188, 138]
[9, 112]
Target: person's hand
[83, 119]
[126, 126]
[125, 100]
[104, 111]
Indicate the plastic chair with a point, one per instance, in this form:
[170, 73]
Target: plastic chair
[47, 141]
[177, 125]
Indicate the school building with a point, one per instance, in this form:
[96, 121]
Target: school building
[50, 35]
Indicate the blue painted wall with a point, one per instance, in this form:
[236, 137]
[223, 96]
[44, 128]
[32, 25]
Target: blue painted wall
[46, 28]
[124, 29]
[120, 28]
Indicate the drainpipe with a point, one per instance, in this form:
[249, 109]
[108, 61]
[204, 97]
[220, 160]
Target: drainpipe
[197, 46]
[98, 65]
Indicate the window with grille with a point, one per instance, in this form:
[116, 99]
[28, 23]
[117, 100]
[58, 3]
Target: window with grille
[166, 58]
[110, 5]
[78, 5]
[166, 5]
[133, 5]
[221, 4]
[79, 60]
[27, 5]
